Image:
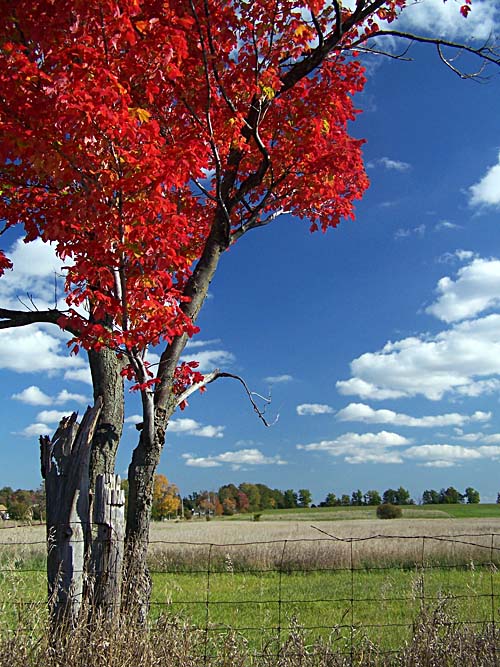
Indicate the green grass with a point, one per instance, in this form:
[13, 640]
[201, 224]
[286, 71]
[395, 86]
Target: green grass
[484, 511]
[362, 602]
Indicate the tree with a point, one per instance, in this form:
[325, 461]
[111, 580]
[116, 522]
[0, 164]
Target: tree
[331, 500]
[345, 500]
[430, 497]
[166, 499]
[290, 499]
[304, 498]
[472, 496]
[357, 498]
[372, 497]
[144, 139]
[450, 496]
[400, 496]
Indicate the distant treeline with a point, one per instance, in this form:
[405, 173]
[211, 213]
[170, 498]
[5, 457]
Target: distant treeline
[246, 497]
[230, 499]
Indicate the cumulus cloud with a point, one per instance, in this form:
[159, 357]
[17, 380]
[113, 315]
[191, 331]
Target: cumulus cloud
[461, 360]
[364, 413]
[361, 447]
[34, 350]
[389, 163]
[35, 430]
[445, 21]
[79, 374]
[475, 289]
[486, 192]
[33, 395]
[449, 453]
[51, 416]
[209, 360]
[188, 426]
[278, 379]
[235, 459]
[314, 409]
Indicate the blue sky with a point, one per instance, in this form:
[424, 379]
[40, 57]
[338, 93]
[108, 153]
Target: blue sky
[380, 341]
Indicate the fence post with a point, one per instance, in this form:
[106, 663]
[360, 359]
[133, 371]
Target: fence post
[65, 468]
[107, 548]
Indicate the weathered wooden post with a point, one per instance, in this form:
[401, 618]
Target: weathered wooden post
[106, 564]
[65, 468]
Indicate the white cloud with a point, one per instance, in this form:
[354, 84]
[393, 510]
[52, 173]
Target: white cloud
[451, 361]
[52, 416]
[362, 448]
[35, 430]
[235, 458]
[65, 396]
[392, 165]
[445, 225]
[486, 192]
[314, 409]
[195, 343]
[278, 379]
[403, 233]
[33, 396]
[35, 265]
[191, 427]
[444, 19]
[133, 419]
[364, 413]
[33, 350]
[80, 375]
[210, 359]
[450, 453]
[476, 288]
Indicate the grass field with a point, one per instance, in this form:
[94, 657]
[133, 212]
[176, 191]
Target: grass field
[371, 578]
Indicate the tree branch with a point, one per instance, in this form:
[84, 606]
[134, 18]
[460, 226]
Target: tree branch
[215, 375]
[20, 318]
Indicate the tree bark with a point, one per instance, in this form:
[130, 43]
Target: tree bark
[107, 382]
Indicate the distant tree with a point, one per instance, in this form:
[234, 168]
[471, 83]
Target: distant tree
[430, 497]
[498, 498]
[166, 499]
[390, 497]
[290, 498]
[331, 500]
[243, 502]
[252, 493]
[304, 498]
[472, 496]
[400, 496]
[267, 500]
[345, 500]
[228, 496]
[372, 497]
[278, 498]
[357, 498]
[450, 496]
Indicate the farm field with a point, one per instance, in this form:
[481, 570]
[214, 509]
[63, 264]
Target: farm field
[358, 578]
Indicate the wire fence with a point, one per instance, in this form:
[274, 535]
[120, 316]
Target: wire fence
[377, 589]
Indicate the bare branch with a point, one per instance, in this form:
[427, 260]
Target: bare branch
[215, 375]
[487, 54]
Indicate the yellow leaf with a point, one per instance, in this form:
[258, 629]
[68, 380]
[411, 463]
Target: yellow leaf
[141, 114]
[326, 126]
[301, 30]
[268, 92]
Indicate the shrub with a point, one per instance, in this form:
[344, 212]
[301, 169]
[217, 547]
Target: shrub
[256, 516]
[389, 511]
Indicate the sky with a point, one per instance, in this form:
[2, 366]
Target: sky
[378, 341]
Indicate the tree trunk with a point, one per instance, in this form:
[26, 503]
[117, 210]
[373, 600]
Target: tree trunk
[107, 382]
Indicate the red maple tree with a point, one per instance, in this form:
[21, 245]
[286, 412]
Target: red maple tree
[143, 138]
